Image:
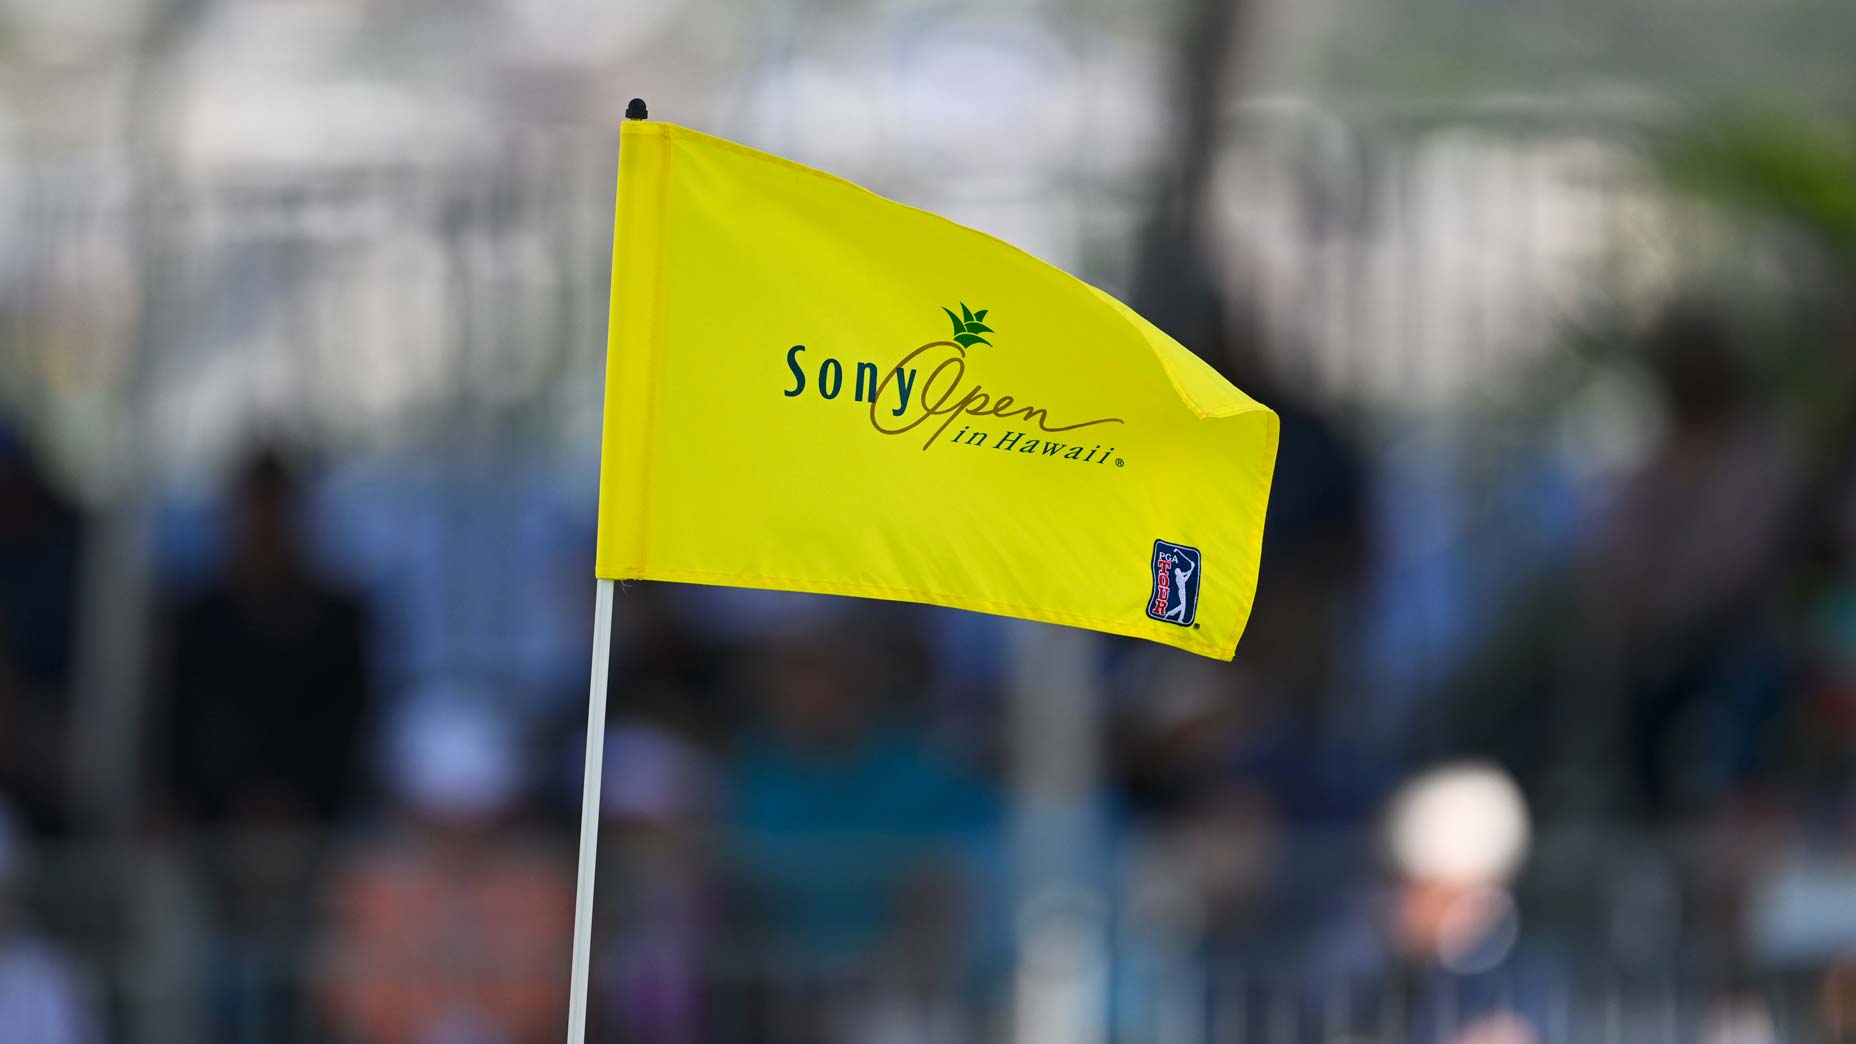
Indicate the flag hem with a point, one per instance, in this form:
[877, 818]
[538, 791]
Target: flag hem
[723, 578]
[634, 338]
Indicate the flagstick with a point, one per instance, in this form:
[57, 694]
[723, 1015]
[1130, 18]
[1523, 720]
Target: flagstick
[590, 784]
[589, 814]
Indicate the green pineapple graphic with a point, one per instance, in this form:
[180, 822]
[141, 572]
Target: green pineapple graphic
[968, 326]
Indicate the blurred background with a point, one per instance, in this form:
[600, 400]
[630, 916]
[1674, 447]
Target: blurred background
[1544, 728]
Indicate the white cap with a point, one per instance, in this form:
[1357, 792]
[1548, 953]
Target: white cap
[1464, 823]
[449, 753]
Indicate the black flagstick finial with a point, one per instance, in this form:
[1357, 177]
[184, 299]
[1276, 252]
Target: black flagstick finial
[636, 110]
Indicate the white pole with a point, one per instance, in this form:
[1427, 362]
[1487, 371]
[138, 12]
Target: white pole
[589, 814]
[590, 783]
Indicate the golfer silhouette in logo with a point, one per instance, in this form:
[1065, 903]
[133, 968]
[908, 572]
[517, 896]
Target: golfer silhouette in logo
[1179, 584]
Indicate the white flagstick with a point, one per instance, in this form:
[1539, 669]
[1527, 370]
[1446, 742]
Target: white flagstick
[590, 785]
[589, 814]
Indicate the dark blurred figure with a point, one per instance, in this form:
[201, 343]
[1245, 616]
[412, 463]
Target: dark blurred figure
[270, 674]
[42, 999]
[450, 925]
[1679, 587]
[858, 842]
[40, 542]
[267, 693]
[1317, 541]
[1296, 730]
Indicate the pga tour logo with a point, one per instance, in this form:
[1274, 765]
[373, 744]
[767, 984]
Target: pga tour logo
[1175, 571]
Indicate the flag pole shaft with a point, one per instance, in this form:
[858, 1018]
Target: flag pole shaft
[590, 788]
[589, 814]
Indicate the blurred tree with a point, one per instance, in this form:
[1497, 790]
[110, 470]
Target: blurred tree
[1773, 166]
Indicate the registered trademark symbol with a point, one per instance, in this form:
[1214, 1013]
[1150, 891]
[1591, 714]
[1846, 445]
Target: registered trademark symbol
[1119, 462]
[1195, 627]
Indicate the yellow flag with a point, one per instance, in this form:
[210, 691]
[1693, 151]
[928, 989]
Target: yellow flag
[812, 388]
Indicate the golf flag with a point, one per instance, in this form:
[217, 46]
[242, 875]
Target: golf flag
[812, 388]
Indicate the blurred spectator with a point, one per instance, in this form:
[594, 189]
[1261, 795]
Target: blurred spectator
[450, 927]
[269, 672]
[43, 1000]
[1445, 939]
[1678, 583]
[40, 538]
[1317, 545]
[855, 837]
[268, 687]
[657, 906]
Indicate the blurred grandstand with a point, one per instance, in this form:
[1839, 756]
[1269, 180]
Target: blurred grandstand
[1544, 730]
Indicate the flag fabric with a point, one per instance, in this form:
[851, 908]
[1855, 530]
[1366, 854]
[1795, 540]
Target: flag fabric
[812, 388]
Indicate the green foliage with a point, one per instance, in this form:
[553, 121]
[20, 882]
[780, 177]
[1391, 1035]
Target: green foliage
[1774, 168]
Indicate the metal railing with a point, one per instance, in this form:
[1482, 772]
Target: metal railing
[158, 930]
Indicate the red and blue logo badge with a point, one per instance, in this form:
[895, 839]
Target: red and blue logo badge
[1175, 573]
